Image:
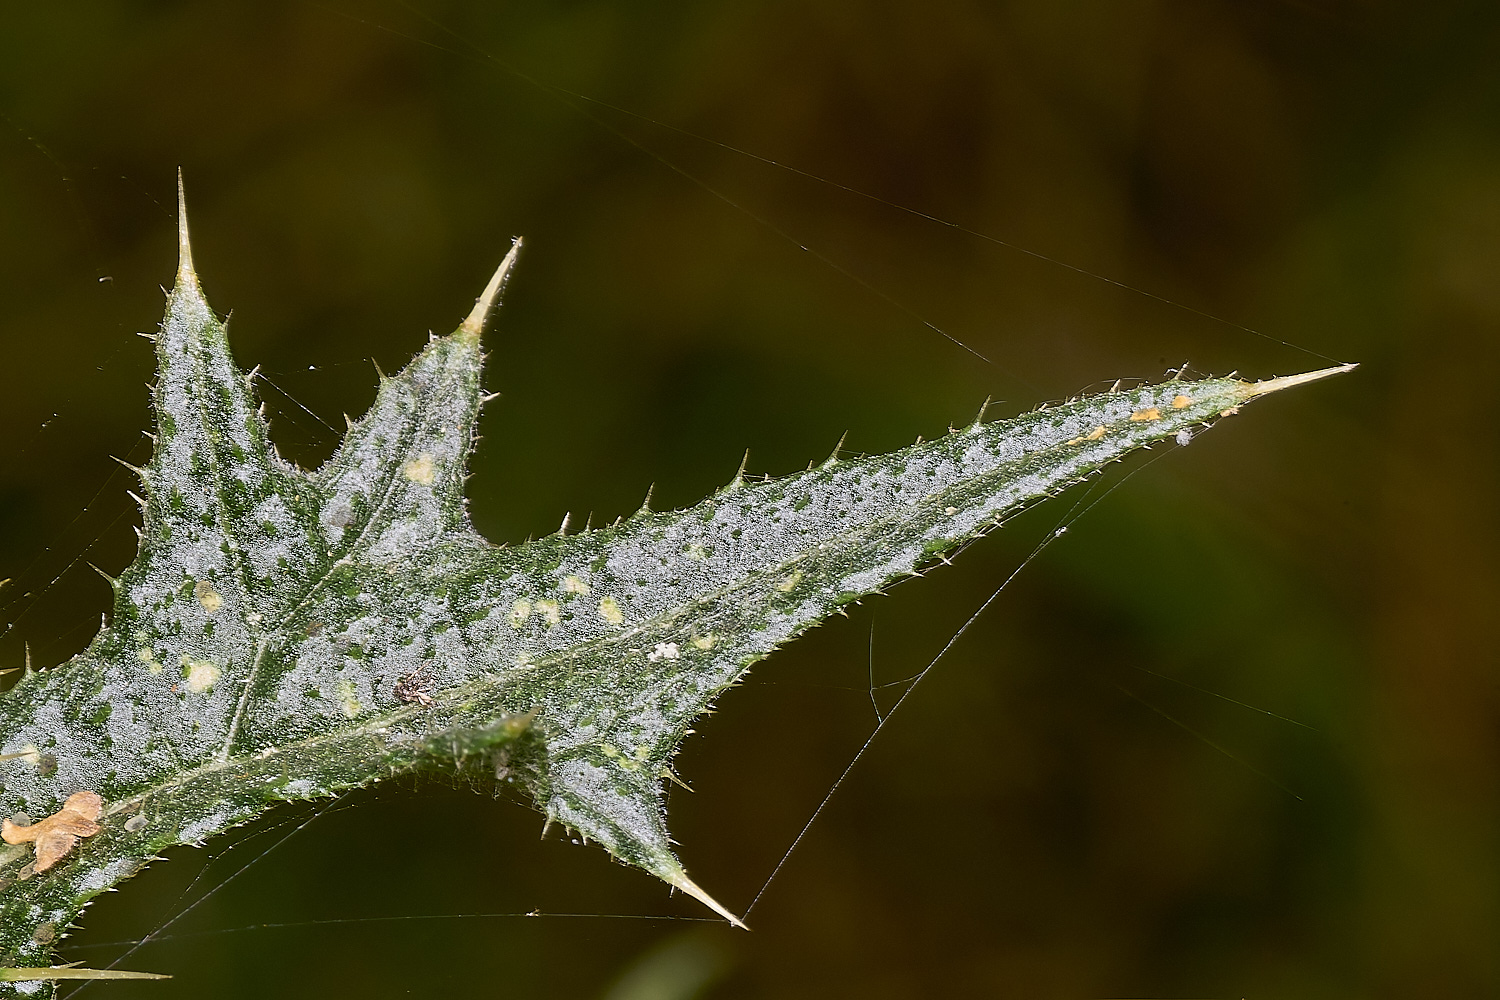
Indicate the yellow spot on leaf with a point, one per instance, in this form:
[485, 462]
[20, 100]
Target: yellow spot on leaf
[352, 707]
[1149, 413]
[549, 610]
[573, 585]
[609, 610]
[420, 469]
[519, 612]
[703, 641]
[1096, 433]
[207, 596]
[56, 835]
[1180, 402]
[201, 675]
[786, 586]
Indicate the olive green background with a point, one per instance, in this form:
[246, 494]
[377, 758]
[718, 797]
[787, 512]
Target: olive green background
[1072, 804]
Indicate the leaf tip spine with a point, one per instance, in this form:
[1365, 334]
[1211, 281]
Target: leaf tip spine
[50, 973]
[678, 878]
[187, 278]
[1249, 390]
[473, 324]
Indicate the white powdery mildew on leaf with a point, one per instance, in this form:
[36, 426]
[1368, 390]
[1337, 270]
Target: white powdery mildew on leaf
[277, 541]
[98, 879]
[285, 634]
[204, 827]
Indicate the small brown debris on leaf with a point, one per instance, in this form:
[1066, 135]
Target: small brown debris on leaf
[415, 688]
[56, 835]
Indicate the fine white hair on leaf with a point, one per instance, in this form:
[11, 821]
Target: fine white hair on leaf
[285, 634]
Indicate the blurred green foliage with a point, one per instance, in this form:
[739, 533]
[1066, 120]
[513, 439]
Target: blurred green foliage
[1073, 804]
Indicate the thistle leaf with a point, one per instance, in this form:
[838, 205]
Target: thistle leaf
[285, 634]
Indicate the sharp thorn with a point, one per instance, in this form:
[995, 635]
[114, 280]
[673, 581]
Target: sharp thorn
[1250, 390]
[739, 474]
[187, 278]
[474, 324]
[679, 879]
[833, 459]
[55, 972]
[140, 473]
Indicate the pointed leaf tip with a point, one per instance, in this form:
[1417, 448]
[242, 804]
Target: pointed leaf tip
[186, 276]
[680, 880]
[50, 973]
[1252, 389]
[474, 324]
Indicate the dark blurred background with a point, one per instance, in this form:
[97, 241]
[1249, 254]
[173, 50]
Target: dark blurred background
[1095, 794]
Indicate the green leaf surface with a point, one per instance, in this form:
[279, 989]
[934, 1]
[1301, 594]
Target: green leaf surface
[285, 634]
